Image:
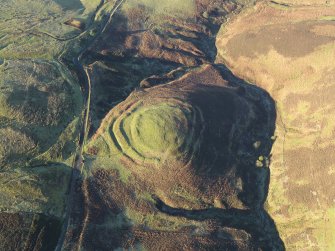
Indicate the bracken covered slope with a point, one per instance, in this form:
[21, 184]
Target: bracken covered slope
[178, 159]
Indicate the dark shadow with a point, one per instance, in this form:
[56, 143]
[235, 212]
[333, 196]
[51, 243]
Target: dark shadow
[125, 70]
[221, 110]
[70, 4]
[258, 223]
[216, 104]
[120, 71]
[205, 43]
[265, 130]
[28, 231]
[257, 179]
[109, 87]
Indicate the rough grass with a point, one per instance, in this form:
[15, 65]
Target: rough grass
[21, 23]
[90, 5]
[327, 18]
[30, 29]
[185, 8]
[15, 144]
[302, 85]
[71, 5]
[306, 2]
[280, 6]
[37, 104]
[157, 220]
[38, 190]
[281, 38]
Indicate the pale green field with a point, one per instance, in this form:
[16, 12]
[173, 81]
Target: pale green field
[185, 8]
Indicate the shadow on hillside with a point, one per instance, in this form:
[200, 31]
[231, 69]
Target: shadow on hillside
[255, 179]
[70, 4]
